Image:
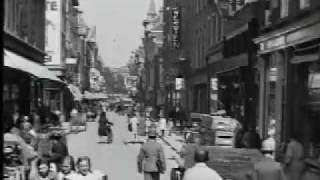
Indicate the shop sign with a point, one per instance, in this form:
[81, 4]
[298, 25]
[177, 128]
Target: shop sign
[179, 83]
[71, 60]
[52, 5]
[276, 42]
[214, 84]
[176, 27]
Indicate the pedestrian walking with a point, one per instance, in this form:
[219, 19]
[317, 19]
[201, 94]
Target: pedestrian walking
[200, 171]
[251, 139]
[162, 125]
[151, 158]
[294, 159]
[134, 126]
[267, 168]
[104, 127]
[148, 124]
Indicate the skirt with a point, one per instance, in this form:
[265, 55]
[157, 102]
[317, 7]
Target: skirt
[103, 131]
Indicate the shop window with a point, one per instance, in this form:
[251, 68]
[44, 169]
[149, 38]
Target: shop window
[284, 8]
[15, 92]
[304, 4]
[6, 95]
[314, 79]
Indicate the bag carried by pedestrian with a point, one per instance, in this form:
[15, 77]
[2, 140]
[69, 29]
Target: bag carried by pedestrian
[177, 173]
[160, 165]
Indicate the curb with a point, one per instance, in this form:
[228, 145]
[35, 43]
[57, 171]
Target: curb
[170, 145]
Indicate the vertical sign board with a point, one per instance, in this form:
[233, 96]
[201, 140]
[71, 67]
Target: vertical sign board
[176, 26]
[53, 31]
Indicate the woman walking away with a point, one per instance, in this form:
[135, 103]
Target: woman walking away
[294, 159]
[103, 127]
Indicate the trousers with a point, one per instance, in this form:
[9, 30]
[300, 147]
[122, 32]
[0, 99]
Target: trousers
[151, 176]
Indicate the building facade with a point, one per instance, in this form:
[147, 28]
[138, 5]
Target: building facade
[153, 63]
[289, 71]
[62, 48]
[24, 54]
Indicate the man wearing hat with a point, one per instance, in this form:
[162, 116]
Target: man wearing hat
[267, 168]
[151, 159]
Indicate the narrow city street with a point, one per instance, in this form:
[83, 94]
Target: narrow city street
[117, 160]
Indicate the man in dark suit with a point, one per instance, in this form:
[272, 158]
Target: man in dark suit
[151, 159]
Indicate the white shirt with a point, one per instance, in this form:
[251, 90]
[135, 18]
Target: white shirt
[162, 123]
[95, 175]
[200, 171]
[71, 176]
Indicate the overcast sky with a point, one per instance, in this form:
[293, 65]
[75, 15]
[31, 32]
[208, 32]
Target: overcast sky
[119, 26]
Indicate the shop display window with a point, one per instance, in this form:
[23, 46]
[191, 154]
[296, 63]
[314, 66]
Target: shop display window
[6, 93]
[15, 92]
[314, 79]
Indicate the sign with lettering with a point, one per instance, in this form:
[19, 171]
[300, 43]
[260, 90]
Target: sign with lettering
[176, 15]
[52, 6]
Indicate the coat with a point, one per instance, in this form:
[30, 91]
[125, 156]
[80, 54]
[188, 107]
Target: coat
[103, 125]
[294, 160]
[267, 169]
[149, 153]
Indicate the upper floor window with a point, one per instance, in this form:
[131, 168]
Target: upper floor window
[304, 4]
[284, 11]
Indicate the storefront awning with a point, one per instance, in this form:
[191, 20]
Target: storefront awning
[75, 91]
[12, 60]
[305, 58]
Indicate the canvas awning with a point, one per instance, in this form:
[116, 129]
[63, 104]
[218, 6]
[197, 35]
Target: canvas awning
[15, 61]
[75, 91]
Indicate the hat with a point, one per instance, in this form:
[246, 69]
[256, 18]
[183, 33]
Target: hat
[152, 132]
[268, 146]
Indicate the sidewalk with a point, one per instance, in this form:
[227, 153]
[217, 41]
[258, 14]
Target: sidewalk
[175, 142]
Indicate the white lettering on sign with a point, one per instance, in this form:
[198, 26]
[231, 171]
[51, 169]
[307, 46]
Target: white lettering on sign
[52, 5]
[275, 42]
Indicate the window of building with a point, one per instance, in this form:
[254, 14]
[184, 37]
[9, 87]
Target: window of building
[217, 29]
[284, 12]
[304, 4]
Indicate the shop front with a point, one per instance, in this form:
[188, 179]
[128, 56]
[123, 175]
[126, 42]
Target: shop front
[290, 82]
[23, 82]
[231, 87]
